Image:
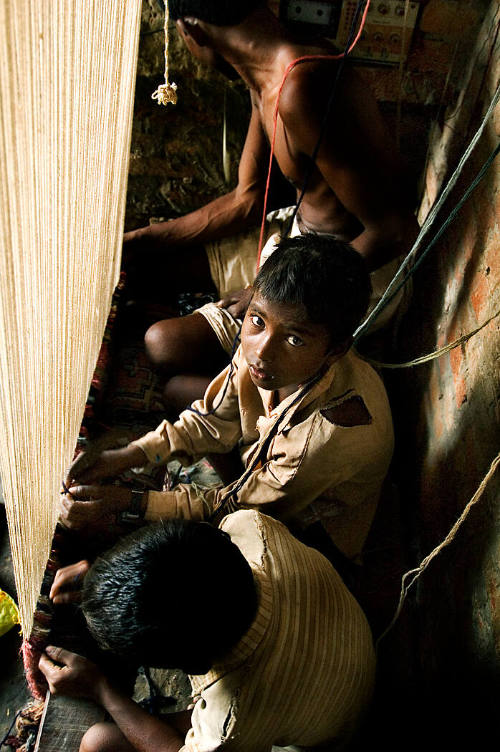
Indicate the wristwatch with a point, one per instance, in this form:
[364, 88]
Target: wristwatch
[135, 512]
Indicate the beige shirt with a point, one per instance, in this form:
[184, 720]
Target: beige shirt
[320, 455]
[303, 672]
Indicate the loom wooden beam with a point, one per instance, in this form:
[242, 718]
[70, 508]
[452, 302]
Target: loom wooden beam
[64, 722]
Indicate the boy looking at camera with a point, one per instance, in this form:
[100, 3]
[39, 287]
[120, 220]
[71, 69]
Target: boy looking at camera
[311, 420]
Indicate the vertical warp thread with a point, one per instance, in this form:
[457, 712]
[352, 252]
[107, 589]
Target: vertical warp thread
[67, 79]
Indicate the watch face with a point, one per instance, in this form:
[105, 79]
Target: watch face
[130, 517]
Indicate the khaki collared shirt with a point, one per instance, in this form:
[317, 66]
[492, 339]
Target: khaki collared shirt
[303, 672]
[320, 455]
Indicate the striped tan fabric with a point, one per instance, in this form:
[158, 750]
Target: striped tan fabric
[303, 672]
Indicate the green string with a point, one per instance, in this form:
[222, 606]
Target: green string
[388, 295]
[444, 226]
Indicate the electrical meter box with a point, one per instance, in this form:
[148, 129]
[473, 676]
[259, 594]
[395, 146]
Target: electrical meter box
[386, 35]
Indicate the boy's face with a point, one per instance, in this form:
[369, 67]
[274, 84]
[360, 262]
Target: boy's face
[282, 347]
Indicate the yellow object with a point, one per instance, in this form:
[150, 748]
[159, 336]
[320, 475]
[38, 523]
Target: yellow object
[9, 613]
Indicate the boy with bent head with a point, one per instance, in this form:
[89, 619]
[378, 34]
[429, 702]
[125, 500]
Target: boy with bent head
[278, 650]
[311, 420]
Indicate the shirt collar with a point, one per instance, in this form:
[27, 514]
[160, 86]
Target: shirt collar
[250, 640]
[320, 385]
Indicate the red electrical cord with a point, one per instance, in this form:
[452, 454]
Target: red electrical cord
[290, 67]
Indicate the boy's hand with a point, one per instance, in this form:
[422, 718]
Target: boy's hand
[67, 585]
[236, 302]
[91, 466]
[88, 505]
[70, 674]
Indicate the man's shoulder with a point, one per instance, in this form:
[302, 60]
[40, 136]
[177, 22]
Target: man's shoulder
[246, 524]
[246, 528]
[299, 92]
[258, 535]
[308, 84]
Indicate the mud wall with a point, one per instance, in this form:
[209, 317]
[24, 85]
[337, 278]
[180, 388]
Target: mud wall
[444, 655]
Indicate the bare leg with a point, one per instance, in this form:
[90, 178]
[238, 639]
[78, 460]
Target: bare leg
[181, 391]
[185, 344]
[105, 737]
[188, 353]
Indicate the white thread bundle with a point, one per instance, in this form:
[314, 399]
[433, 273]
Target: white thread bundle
[166, 93]
[67, 79]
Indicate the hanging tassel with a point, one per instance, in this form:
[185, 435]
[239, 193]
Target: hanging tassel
[167, 92]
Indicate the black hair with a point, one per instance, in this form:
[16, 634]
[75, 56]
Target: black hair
[217, 12]
[177, 594]
[325, 275]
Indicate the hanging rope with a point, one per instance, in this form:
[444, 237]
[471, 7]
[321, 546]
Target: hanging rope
[433, 355]
[413, 574]
[166, 93]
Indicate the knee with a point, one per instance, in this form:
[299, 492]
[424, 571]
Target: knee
[182, 344]
[181, 391]
[161, 343]
[101, 737]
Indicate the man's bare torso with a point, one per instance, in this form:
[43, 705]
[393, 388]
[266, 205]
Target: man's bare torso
[354, 140]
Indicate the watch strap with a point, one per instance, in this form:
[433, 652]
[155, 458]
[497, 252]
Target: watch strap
[135, 512]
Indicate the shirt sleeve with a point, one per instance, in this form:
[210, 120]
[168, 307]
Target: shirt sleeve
[302, 463]
[197, 432]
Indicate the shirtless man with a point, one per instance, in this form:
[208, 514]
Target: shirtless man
[357, 189]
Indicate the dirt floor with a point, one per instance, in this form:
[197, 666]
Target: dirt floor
[13, 690]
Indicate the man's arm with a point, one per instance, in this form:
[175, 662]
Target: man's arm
[356, 159]
[73, 675]
[196, 433]
[233, 212]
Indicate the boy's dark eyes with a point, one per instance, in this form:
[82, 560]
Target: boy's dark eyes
[295, 341]
[256, 320]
